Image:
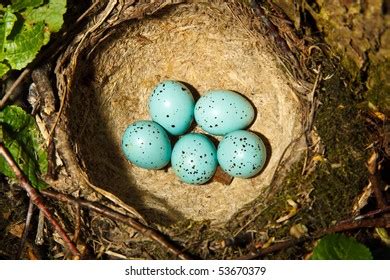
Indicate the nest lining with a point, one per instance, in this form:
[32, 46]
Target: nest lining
[206, 46]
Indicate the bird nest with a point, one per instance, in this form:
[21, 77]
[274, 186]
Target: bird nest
[106, 74]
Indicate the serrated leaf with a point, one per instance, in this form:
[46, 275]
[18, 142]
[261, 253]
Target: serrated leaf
[25, 26]
[25, 163]
[340, 247]
[7, 21]
[51, 14]
[18, 5]
[20, 134]
[24, 129]
[25, 45]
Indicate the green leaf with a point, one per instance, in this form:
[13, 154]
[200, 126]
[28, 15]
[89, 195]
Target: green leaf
[340, 247]
[20, 134]
[18, 5]
[25, 45]
[51, 14]
[25, 26]
[7, 22]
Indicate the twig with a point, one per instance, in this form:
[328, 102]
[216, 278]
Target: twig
[116, 255]
[367, 215]
[41, 222]
[107, 212]
[310, 119]
[366, 223]
[273, 248]
[343, 226]
[37, 199]
[26, 229]
[14, 86]
[377, 190]
[374, 180]
[77, 223]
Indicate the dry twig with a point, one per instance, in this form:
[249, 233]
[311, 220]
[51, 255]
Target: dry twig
[41, 222]
[109, 213]
[26, 229]
[11, 90]
[375, 181]
[273, 248]
[77, 223]
[383, 222]
[37, 199]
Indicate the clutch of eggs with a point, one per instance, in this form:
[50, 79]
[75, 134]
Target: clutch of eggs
[194, 157]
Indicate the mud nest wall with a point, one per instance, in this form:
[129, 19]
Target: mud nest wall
[206, 45]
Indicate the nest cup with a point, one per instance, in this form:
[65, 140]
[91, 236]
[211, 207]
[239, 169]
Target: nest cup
[107, 76]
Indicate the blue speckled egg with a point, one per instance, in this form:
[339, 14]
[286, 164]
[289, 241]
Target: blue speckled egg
[194, 158]
[147, 145]
[241, 154]
[172, 106]
[222, 111]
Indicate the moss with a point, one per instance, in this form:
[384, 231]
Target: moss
[340, 178]
[345, 136]
[336, 181]
[379, 86]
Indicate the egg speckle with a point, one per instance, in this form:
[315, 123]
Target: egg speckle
[194, 158]
[171, 105]
[146, 144]
[222, 111]
[241, 154]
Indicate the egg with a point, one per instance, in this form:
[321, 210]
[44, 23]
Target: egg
[194, 158]
[241, 154]
[146, 144]
[172, 106]
[222, 111]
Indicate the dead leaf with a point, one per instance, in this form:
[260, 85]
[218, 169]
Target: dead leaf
[362, 199]
[371, 163]
[383, 235]
[16, 229]
[298, 230]
[293, 211]
[268, 243]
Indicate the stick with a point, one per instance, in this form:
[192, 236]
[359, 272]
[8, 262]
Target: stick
[41, 222]
[13, 87]
[109, 213]
[374, 180]
[37, 199]
[344, 226]
[26, 229]
[77, 223]
[272, 249]
[366, 223]
[377, 191]
[367, 215]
